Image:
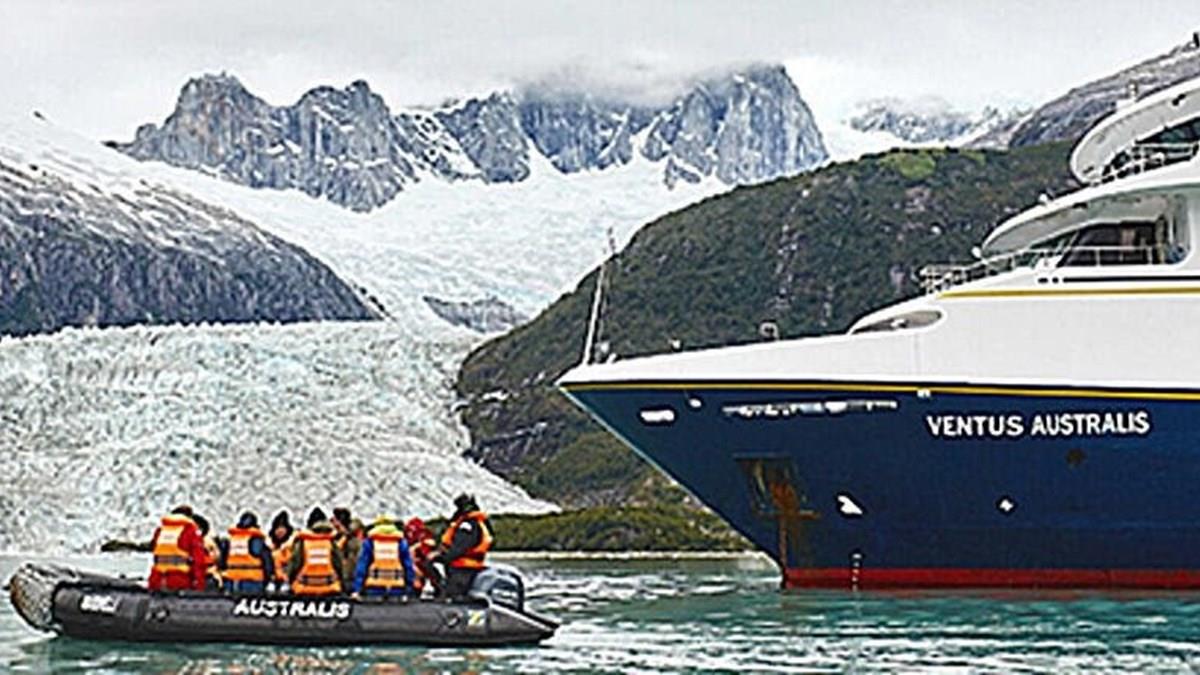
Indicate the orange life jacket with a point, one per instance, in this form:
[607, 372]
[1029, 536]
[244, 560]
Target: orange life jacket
[281, 555]
[386, 570]
[473, 558]
[317, 575]
[169, 556]
[240, 565]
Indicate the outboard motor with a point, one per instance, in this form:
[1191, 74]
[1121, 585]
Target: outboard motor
[502, 585]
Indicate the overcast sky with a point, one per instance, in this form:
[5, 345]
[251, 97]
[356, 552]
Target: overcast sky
[102, 68]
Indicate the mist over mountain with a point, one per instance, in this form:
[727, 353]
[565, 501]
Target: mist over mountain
[347, 146]
[932, 120]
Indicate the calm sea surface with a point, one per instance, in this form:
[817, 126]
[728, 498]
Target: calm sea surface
[722, 615]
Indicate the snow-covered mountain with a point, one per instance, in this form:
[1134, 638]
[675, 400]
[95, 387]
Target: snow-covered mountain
[82, 247]
[930, 120]
[103, 429]
[1069, 116]
[348, 147]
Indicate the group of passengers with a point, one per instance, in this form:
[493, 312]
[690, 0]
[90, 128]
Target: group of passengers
[330, 556]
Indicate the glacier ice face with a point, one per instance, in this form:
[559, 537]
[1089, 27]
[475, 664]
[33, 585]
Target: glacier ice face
[104, 430]
[346, 146]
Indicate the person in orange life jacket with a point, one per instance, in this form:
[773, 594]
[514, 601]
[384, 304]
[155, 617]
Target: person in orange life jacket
[423, 546]
[316, 566]
[384, 565]
[179, 558]
[465, 544]
[212, 553]
[245, 559]
[281, 545]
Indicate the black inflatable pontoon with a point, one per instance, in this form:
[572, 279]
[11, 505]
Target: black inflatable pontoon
[85, 605]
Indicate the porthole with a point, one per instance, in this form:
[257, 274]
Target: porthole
[657, 416]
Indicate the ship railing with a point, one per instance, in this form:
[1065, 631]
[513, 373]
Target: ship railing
[1142, 157]
[938, 277]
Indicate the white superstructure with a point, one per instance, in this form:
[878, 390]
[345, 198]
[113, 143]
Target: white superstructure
[1097, 287]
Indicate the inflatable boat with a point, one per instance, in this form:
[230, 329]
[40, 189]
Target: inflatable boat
[93, 606]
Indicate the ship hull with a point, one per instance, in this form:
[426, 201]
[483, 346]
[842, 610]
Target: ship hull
[861, 484]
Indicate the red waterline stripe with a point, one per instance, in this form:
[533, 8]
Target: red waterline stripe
[989, 578]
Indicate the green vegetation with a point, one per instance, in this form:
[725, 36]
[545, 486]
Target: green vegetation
[912, 164]
[809, 253]
[614, 528]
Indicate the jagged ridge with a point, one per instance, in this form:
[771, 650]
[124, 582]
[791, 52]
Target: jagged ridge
[346, 145]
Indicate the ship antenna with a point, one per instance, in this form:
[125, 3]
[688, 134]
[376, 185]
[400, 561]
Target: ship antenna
[594, 317]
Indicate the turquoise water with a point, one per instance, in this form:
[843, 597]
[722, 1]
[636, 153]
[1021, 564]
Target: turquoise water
[723, 615]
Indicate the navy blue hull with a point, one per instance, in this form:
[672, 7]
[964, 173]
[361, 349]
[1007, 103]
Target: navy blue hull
[860, 484]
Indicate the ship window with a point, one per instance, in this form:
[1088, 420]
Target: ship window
[1173, 144]
[657, 416]
[916, 319]
[1123, 243]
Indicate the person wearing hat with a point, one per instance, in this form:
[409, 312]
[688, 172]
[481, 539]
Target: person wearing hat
[385, 567]
[348, 535]
[282, 537]
[316, 566]
[245, 559]
[465, 545]
[423, 546]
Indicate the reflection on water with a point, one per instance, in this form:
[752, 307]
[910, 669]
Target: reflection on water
[679, 615]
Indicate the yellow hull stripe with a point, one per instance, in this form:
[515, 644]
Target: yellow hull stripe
[964, 390]
[1068, 292]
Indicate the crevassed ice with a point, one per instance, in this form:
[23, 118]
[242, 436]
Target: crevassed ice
[102, 430]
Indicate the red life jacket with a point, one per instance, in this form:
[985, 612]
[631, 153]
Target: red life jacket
[474, 557]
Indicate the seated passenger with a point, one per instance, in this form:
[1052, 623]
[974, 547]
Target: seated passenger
[212, 554]
[384, 566]
[282, 538]
[464, 546]
[246, 565]
[316, 563]
[423, 546]
[179, 558]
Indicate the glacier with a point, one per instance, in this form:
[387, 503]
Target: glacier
[104, 429]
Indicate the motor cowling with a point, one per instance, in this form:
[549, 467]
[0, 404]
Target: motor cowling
[500, 584]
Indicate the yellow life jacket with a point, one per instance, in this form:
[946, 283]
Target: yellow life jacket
[387, 569]
[169, 556]
[473, 558]
[317, 575]
[240, 565]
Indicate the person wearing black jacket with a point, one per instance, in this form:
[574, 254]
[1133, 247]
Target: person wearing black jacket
[465, 544]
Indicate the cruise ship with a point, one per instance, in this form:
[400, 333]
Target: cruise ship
[1032, 420]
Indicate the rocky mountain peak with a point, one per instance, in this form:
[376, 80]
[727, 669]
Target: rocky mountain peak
[347, 146]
